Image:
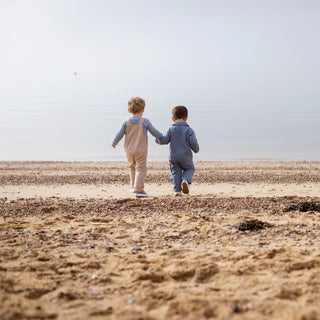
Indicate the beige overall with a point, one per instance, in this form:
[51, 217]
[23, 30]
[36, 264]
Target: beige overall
[136, 147]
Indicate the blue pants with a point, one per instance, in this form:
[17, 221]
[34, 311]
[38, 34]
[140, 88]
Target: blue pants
[180, 172]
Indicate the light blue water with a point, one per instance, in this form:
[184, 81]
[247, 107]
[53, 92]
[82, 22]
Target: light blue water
[237, 128]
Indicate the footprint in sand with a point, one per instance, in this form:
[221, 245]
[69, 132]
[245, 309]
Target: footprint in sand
[200, 273]
[36, 293]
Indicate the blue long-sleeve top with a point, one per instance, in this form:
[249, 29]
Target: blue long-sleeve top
[182, 141]
[147, 126]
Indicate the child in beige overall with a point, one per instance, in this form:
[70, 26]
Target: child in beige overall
[135, 130]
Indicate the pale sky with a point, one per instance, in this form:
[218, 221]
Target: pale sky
[265, 46]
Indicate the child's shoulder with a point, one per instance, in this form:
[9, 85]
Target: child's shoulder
[146, 120]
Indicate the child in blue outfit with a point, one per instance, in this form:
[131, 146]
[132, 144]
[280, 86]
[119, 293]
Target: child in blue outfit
[182, 141]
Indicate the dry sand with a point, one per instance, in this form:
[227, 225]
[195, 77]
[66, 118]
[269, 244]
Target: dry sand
[75, 244]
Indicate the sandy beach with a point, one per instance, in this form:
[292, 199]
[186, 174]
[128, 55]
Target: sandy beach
[76, 244]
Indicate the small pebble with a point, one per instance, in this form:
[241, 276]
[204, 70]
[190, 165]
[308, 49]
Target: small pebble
[235, 309]
[109, 248]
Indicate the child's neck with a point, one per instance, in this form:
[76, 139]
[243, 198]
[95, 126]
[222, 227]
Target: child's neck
[137, 114]
[179, 120]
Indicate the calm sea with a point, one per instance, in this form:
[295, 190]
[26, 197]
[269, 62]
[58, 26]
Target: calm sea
[237, 128]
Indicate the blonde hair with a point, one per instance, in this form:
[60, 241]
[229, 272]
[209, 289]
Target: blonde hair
[136, 105]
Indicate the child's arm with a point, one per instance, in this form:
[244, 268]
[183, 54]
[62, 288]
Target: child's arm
[164, 139]
[119, 135]
[193, 141]
[152, 129]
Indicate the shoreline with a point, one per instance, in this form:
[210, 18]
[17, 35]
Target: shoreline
[111, 180]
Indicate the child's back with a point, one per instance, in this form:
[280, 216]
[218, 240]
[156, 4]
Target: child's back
[182, 141]
[135, 142]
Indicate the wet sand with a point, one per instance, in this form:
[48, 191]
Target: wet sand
[75, 244]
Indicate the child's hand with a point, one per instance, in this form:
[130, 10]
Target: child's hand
[113, 147]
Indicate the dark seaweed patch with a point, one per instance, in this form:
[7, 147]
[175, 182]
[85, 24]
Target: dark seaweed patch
[253, 224]
[304, 206]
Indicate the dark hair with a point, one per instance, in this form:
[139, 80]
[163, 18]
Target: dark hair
[179, 112]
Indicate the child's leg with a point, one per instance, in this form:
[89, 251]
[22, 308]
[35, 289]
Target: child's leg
[132, 168]
[188, 174]
[132, 177]
[176, 175]
[141, 172]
